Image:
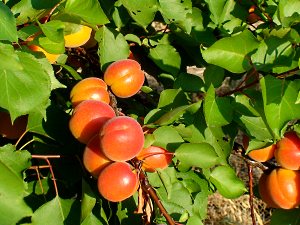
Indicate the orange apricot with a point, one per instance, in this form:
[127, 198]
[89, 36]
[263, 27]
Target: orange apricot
[154, 157]
[117, 182]
[280, 188]
[93, 158]
[125, 77]
[121, 138]
[88, 118]
[91, 88]
[263, 154]
[12, 130]
[288, 151]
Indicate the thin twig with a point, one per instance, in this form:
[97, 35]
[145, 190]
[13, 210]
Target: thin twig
[250, 174]
[45, 156]
[20, 138]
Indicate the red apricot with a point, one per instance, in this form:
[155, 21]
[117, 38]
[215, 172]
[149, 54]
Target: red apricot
[121, 138]
[154, 157]
[125, 77]
[117, 182]
[89, 88]
[288, 151]
[93, 158]
[12, 130]
[88, 118]
[280, 188]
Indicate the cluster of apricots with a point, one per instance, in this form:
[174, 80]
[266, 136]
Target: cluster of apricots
[112, 143]
[81, 36]
[280, 187]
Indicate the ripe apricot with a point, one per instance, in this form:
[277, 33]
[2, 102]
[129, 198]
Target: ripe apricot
[262, 154]
[154, 157]
[88, 118]
[288, 151]
[52, 58]
[89, 88]
[280, 188]
[93, 158]
[125, 77]
[79, 37]
[117, 182]
[121, 138]
[12, 130]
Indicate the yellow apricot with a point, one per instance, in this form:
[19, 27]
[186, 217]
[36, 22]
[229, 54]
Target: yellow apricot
[78, 38]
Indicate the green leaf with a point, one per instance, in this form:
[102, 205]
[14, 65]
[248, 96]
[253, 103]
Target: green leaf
[166, 57]
[220, 10]
[273, 52]
[54, 212]
[175, 10]
[176, 113]
[248, 117]
[167, 137]
[172, 98]
[143, 12]
[288, 12]
[227, 183]
[54, 30]
[8, 30]
[88, 202]
[91, 219]
[25, 85]
[112, 46]
[279, 97]
[283, 216]
[201, 155]
[12, 192]
[189, 82]
[28, 10]
[231, 53]
[91, 11]
[213, 75]
[16, 161]
[217, 110]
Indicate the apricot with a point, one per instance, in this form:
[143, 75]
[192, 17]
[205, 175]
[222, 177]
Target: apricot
[79, 37]
[125, 77]
[52, 58]
[93, 158]
[154, 157]
[121, 138]
[262, 154]
[280, 188]
[117, 182]
[88, 118]
[12, 130]
[89, 88]
[288, 151]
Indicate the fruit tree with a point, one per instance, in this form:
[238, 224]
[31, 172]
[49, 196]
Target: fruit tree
[128, 111]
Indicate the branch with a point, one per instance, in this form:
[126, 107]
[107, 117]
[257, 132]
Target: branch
[149, 190]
